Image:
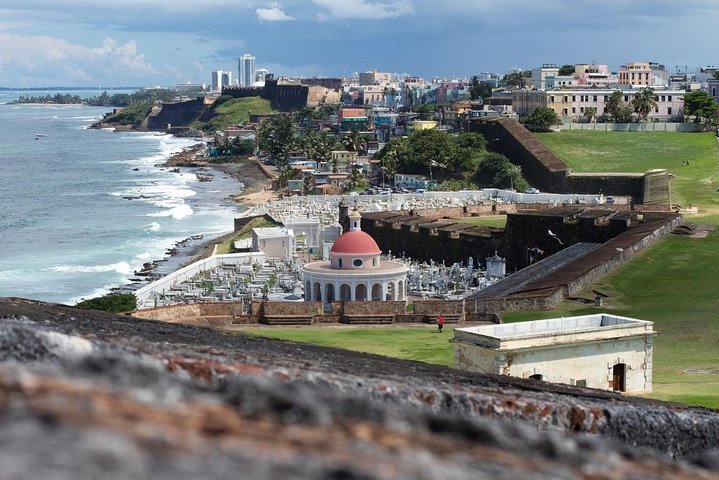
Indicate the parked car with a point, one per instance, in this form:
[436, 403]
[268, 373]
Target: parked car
[532, 190]
[610, 200]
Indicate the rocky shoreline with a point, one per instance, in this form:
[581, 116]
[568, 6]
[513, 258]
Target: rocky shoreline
[257, 188]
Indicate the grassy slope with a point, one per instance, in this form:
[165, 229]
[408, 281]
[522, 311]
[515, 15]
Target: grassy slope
[235, 111]
[243, 233]
[696, 183]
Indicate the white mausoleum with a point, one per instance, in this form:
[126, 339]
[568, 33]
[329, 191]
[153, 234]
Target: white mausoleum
[602, 351]
[354, 271]
[277, 242]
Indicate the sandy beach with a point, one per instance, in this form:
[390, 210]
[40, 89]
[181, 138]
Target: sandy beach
[257, 186]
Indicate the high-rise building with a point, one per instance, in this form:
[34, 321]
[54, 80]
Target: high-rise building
[260, 74]
[221, 79]
[216, 80]
[247, 70]
[226, 79]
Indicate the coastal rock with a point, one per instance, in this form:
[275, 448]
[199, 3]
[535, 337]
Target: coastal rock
[88, 394]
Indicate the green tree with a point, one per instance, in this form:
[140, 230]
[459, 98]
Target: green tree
[389, 165]
[317, 146]
[644, 101]
[308, 187]
[113, 302]
[353, 141]
[716, 75]
[566, 70]
[513, 80]
[616, 109]
[287, 173]
[479, 89]
[590, 113]
[357, 180]
[427, 146]
[700, 105]
[542, 118]
[277, 137]
[495, 170]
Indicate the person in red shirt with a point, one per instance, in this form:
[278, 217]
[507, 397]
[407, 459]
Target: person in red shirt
[440, 323]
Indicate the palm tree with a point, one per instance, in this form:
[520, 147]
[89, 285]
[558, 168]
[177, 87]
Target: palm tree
[389, 165]
[353, 141]
[590, 113]
[644, 102]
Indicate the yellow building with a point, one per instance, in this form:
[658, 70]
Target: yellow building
[424, 124]
[635, 73]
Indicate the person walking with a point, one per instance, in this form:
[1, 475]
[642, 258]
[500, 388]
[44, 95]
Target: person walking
[440, 323]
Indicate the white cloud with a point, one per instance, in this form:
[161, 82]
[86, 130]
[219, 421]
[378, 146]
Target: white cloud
[44, 60]
[272, 14]
[363, 9]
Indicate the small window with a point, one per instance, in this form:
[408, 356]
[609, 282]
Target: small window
[339, 263]
[536, 376]
[357, 262]
[374, 262]
[669, 98]
[581, 383]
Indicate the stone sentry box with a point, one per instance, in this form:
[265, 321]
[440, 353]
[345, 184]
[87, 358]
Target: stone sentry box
[602, 351]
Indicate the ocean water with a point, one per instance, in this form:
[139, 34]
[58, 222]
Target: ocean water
[82, 209]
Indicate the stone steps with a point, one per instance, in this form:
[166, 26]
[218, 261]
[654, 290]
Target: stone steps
[286, 320]
[367, 319]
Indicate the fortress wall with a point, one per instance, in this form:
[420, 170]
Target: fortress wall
[621, 185]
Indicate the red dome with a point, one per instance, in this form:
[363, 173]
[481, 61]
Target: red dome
[356, 242]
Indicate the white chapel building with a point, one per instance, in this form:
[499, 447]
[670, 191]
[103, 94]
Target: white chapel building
[354, 271]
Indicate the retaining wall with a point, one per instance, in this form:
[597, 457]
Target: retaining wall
[635, 127]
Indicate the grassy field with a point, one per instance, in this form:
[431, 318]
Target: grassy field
[409, 343]
[695, 183]
[498, 221]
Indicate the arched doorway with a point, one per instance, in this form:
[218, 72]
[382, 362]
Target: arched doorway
[377, 292]
[317, 292]
[401, 294]
[329, 293]
[345, 292]
[361, 292]
[308, 291]
[619, 377]
[391, 291]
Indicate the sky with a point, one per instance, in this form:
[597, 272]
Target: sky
[146, 42]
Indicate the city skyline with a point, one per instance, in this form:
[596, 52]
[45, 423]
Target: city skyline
[145, 43]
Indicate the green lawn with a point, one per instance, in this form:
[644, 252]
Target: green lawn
[591, 151]
[498, 221]
[409, 343]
